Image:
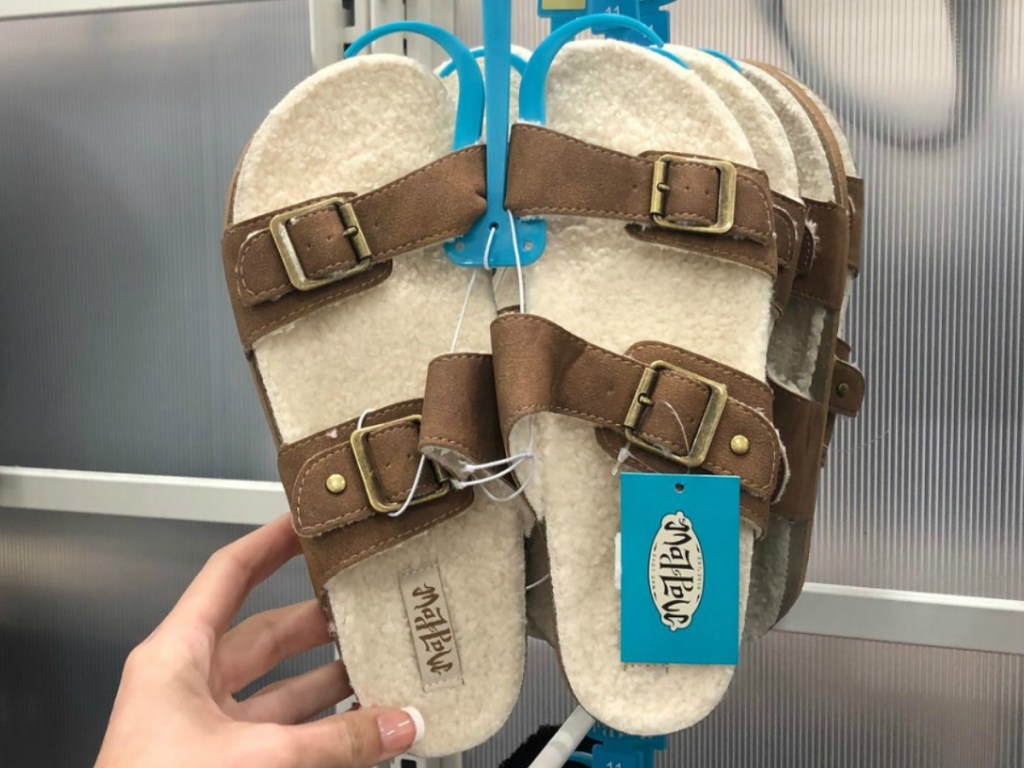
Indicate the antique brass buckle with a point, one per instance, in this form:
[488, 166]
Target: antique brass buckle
[726, 195]
[353, 232]
[642, 400]
[371, 480]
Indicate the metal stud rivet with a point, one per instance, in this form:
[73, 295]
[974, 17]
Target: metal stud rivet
[739, 445]
[842, 388]
[336, 483]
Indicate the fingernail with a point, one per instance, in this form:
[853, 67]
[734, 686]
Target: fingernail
[400, 729]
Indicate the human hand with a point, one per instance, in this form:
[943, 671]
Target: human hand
[176, 706]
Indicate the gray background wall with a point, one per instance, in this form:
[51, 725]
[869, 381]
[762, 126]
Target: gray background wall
[118, 134]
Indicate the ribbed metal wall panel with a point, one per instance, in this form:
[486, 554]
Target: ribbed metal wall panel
[118, 136]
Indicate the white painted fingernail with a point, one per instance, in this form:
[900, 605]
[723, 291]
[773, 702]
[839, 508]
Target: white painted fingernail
[417, 718]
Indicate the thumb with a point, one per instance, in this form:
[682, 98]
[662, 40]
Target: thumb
[359, 738]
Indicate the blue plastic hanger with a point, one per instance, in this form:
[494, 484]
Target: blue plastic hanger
[518, 62]
[469, 113]
[727, 59]
[498, 239]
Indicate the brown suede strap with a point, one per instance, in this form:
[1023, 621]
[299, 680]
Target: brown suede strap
[801, 423]
[658, 395]
[550, 173]
[847, 393]
[847, 383]
[287, 263]
[855, 188]
[790, 226]
[343, 482]
[822, 269]
[460, 416]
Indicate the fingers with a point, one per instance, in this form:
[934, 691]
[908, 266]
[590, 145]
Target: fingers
[261, 642]
[360, 738]
[216, 594]
[299, 698]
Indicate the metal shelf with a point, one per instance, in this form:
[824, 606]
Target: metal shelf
[833, 610]
[333, 24]
[24, 9]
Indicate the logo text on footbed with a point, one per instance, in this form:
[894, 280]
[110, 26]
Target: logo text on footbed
[676, 571]
[432, 634]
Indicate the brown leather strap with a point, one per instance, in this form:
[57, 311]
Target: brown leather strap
[330, 493]
[847, 388]
[460, 415]
[800, 422]
[790, 225]
[855, 187]
[345, 239]
[542, 368]
[822, 270]
[550, 173]
[847, 393]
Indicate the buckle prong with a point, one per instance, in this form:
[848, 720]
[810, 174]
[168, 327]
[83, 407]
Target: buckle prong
[642, 400]
[371, 480]
[290, 259]
[726, 195]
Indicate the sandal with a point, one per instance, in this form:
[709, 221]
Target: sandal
[568, 374]
[803, 361]
[343, 300]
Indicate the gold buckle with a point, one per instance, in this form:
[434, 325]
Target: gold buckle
[726, 195]
[286, 249]
[708, 423]
[371, 481]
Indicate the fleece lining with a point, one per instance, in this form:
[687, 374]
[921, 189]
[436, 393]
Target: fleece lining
[768, 139]
[849, 166]
[353, 127]
[760, 124]
[794, 359]
[614, 290]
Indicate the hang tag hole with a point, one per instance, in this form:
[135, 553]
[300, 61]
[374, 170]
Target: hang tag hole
[679, 487]
[528, 245]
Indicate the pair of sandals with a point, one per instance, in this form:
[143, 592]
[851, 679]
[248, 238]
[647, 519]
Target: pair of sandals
[701, 224]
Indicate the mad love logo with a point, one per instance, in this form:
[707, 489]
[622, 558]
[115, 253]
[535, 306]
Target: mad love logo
[676, 571]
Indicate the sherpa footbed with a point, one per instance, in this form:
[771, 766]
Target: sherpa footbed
[768, 138]
[353, 127]
[614, 290]
[794, 354]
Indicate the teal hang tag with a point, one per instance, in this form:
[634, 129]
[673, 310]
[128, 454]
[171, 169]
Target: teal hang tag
[680, 577]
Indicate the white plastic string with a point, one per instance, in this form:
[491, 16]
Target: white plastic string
[465, 306]
[362, 418]
[487, 247]
[412, 491]
[510, 463]
[679, 421]
[622, 458]
[513, 463]
[539, 581]
[519, 263]
[624, 453]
